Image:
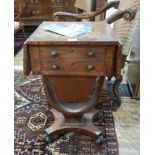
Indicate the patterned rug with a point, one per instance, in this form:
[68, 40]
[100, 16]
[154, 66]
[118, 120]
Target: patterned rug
[32, 117]
[123, 89]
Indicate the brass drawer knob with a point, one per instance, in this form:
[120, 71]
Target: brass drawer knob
[90, 67]
[55, 67]
[90, 54]
[53, 53]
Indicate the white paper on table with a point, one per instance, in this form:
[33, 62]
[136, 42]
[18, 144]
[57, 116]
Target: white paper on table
[69, 30]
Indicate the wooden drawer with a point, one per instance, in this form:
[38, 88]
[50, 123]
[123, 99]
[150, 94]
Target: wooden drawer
[73, 67]
[74, 60]
[63, 53]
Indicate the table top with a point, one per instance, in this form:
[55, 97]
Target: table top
[101, 34]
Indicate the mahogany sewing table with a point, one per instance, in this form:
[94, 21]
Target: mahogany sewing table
[73, 71]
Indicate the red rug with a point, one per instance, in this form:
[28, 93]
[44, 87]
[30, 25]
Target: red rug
[32, 117]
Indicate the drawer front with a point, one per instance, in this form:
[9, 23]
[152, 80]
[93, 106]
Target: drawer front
[78, 53]
[73, 67]
[63, 60]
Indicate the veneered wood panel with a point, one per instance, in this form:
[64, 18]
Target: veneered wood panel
[35, 61]
[72, 52]
[101, 34]
[73, 68]
[73, 60]
[64, 86]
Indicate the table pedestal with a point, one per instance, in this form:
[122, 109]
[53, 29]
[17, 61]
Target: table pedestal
[84, 125]
[73, 116]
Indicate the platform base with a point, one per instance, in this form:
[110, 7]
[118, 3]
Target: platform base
[85, 126]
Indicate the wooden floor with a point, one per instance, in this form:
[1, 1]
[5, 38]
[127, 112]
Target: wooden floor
[127, 119]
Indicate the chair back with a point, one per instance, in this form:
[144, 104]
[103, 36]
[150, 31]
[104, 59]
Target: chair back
[126, 30]
[91, 6]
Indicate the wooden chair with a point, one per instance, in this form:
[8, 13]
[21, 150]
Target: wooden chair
[57, 16]
[18, 24]
[90, 6]
[126, 21]
[124, 29]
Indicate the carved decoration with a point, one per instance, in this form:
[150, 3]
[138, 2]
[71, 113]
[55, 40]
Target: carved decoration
[127, 14]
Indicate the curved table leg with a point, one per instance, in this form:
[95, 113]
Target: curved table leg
[116, 101]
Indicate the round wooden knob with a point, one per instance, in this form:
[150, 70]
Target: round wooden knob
[55, 67]
[91, 54]
[53, 53]
[90, 67]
